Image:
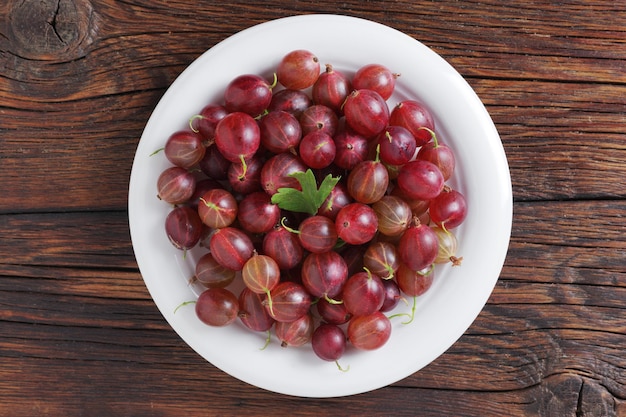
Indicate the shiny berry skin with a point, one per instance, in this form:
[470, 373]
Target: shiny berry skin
[418, 206]
[257, 214]
[368, 181]
[413, 116]
[237, 136]
[448, 245]
[418, 247]
[184, 149]
[394, 215]
[231, 247]
[183, 227]
[336, 200]
[328, 342]
[375, 77]
[290, 301]
[280, 131]
[202, 186]
[317, 234]
[323, 274]
[252, 311]
[276, 173]
[211, 274]
[317, 149]
[291, 101]
[297, 70]
[217, 208]
[175, 185]
[352, 148]
[332, 313]
[420, 180]
[331, 89]
[356, 223]
[397, 145]
[363, 294]
[214, 165]
[369, 332]
[217, 307]
[319, 117]
[381, 258]
[392, 295]
[295, 333]
[448, 209]
[284, 247]
[440, 155]
[414, 283]
[248, 93]
[353, 255]
[204, 123]
[244, 177]
[260, 274]
[366, 112]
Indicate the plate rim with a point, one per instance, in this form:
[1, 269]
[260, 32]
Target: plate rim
[502, 166]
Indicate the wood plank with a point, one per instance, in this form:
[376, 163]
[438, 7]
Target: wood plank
[530, 341]
[56, 240]
[588, 249]
[576, 242]
[102, 112]
[560, 166]
[80, 334]
[160, 383]
[561, 141]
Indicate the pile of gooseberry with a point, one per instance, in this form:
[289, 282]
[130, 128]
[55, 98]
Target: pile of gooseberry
[325, 205]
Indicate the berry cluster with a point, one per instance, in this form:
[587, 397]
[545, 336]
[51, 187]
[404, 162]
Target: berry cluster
[328, 204]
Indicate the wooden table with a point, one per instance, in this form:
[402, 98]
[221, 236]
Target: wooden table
[79, 333]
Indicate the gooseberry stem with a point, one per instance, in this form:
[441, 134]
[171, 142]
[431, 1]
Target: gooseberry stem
[289, 229]
[268, 339]
[340, 368]
[411, 316]
[157, 151]
[274, 81]
[184, 304]
[377, 159]
[432, 134]
[428, 271]
[269, 302]
[191, 120]
[244, 165]
[332, 301]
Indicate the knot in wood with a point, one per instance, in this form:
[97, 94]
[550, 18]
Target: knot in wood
[51, 29]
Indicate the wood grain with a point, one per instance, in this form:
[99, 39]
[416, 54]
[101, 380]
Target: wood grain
[542, 333]
[79, 333]
[534, 105]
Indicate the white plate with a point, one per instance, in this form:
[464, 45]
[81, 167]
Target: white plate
[458, 294]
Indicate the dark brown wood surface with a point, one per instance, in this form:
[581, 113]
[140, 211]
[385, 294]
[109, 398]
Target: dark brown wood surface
[79, 333]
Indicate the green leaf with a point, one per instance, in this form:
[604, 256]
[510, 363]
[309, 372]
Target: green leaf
[292, 200]
[326, 187]
[310, 198]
